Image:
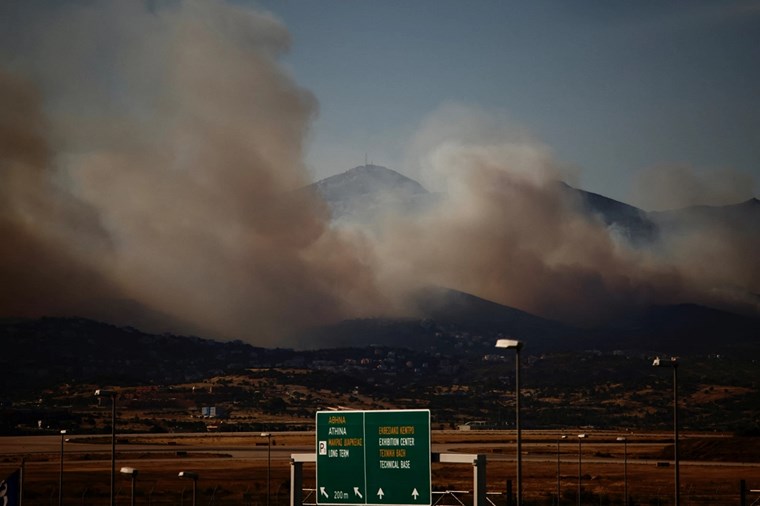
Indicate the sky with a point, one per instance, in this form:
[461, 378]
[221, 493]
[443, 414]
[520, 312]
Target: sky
[153, 155]
[615, 89]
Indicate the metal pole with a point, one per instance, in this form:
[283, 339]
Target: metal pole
[113, 449]
[21, 485]
[625, 471]
[673, 362]
[558, 484]
[195, 481]
[269, 463]
[517, 426]
[579, 470]
[559, 490]
[133, 489]
[480, 496]
[296, 482]
[516, 345]
[60, 473]
[675, 432]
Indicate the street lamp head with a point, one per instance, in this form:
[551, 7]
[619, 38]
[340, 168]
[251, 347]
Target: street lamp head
[129, 471]
[102, 392]
[621, 438]
[509, 344]
[564, 436]
[63, 431]
[582, 436]
[658, 362]
[265, 434]
[188, 475]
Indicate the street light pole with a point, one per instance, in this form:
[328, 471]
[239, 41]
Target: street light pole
[559, 439]
[517, 346]
[268, 435]
[188, 475]
[112, 394]
[625, 469]
[60, 473]
[673, 363]
[581, 437]
[132, 473]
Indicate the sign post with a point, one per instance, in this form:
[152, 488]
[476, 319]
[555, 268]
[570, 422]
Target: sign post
[373, 457]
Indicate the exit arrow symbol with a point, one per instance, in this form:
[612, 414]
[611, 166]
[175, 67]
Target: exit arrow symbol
[322, 491]
[380, 493]
[356, 491]
[415, 494]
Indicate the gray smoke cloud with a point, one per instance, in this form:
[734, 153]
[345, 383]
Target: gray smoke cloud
[151, 161]
[507, 231]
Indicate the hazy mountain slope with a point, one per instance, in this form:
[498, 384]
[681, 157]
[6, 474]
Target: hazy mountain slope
[38, 354]
[742, 217]
[443, 320]
[477, 315]
[682, 330]
[48, 351]
[623, 220]
[711, 240]
[448, 319]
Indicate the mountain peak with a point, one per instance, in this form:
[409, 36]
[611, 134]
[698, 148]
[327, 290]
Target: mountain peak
[360, 194]
[365, 179]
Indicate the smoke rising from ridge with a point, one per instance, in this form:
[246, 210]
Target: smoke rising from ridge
[508, 231]
[151, 174]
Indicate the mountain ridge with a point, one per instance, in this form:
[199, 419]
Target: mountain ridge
[367, 189]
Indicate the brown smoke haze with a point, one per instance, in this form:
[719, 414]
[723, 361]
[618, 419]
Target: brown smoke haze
[677, 186]
[508, 232]
[150, 162]
[718, 251]
[169, 181]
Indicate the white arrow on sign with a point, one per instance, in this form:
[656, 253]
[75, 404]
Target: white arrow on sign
[322, 491]
[380, 493]
[415, 494]
[356, 491]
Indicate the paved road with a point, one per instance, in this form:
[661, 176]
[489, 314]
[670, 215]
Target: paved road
[254, 448]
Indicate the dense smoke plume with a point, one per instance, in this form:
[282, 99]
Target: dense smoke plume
[509, 232]
[712, 237]
[162, 172]
[151, 174]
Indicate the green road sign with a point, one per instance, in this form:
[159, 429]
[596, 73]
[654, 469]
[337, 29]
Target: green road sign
[373, 457]
[340, 457]
[398, 457]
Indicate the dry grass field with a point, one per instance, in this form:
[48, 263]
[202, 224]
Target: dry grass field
[228, 478]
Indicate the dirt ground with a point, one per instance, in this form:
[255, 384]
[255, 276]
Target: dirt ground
[224, 480]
